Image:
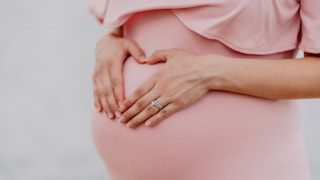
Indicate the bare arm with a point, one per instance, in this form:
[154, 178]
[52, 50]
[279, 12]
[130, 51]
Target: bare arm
[272, 79]
[185, 77]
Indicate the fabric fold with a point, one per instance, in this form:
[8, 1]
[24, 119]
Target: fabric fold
[252, 27]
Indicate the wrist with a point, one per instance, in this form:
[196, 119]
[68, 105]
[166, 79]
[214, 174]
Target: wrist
[217, 72]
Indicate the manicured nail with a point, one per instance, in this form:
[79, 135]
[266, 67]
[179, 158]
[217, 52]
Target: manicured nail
[99, 108]
[122, 108]
[148, 123]
[129, 125]
[119, 103]
[110, 115]
[143, 58]
[118, 114]
[121, 119]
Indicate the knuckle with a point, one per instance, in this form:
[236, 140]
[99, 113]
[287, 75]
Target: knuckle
[140, 104]
[150, 110]
[106, 87]
[179, 102]
[100, 76]
[96, 92]
[164, 113]
[165, 85]
[103, 60]
[116, 81]
[101, 93]
[169, 95]
[109, 64]
[103, 98]
[96, 75]
[139, 92]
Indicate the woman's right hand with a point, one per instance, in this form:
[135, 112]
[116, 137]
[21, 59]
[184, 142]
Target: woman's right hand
[111, 52]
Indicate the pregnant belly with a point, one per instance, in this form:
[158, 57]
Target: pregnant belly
[222, 136]
[219, 134]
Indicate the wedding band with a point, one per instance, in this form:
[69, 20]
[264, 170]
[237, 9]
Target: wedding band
[156, 104]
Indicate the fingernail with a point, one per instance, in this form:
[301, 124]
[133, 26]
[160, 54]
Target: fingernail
[121, 119]
[143, 58]
[148, 123]
[122, 108]
[129, 125]
[110, 115]
[118, 114]
[119, 103]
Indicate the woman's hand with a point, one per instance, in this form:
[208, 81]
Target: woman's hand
[178, 84]
[111, 52]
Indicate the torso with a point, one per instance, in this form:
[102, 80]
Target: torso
[223, 136]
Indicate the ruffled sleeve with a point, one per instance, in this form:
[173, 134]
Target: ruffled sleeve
[113, 13]
[98, 9]
[251, 27]
[310, 26]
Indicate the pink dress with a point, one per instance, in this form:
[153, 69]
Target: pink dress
[224, 136]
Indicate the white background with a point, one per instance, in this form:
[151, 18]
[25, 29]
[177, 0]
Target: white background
[46, 62]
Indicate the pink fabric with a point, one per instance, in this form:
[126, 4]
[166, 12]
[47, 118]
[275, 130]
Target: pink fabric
[224, 136]
[310, 16]
[252, 27]
[98, 9]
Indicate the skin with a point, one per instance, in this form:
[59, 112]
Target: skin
[186, 77]
[111, 52]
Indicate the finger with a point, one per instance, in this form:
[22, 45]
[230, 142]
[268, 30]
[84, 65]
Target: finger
[117, 83]
[137, 107]
[146, 114]
[135, 51]
[158, 56]
[133, 111]
[106, 107]
[161, 115]
[109, 94]
[97, 104]
[138, 93]
[113, 104]
[96, 95]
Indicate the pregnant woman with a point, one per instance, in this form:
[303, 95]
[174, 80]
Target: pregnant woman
[204, 89]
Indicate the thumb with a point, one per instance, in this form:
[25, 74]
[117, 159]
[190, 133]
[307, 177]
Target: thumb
[135, 51]
[158, 57]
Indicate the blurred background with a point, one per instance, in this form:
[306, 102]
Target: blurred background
[46, 62]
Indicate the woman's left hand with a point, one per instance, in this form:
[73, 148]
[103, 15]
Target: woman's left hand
[179, 83]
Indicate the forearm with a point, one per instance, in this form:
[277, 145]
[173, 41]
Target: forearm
[272, 79]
